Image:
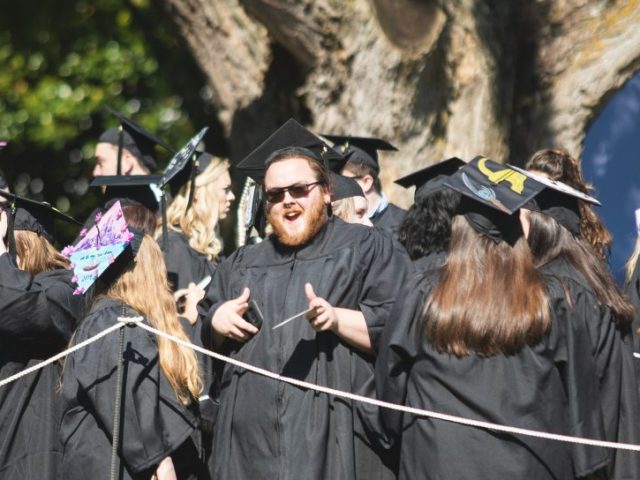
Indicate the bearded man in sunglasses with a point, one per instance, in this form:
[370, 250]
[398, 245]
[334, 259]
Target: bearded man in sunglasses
[335, 283]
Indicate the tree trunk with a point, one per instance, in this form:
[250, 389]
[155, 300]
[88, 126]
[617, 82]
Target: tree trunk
[499, 78]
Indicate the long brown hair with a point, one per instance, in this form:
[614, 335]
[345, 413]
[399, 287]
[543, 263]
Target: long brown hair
[35, 253]
[549, 240]
[489, 299]
[559, 165]
[144, 286]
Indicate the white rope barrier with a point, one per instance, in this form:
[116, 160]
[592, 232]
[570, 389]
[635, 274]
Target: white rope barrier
[402, 408]
[122, 321]
[60, 355]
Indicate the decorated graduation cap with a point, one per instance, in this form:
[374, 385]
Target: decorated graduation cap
[344, 187]
[131, 136]
[129, 189]
[361, 150]
[558, 200]
[33, 216]
[290, 137]
[431, 179]
[101, 246]
[492, 193]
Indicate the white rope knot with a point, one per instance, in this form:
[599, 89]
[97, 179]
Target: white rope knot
[131, 319]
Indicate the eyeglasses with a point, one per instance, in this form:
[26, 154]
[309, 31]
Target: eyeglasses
[276, 195]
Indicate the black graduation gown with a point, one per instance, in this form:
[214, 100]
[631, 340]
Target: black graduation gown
[184, 264]
[37, 317]
[632, 289]
[611, 347]
[389, 219]
[268, 429]
[154, 424]
[432, 261]
[529, 389]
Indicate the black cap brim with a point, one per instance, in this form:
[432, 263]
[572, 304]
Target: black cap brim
[344, 187]
[130, 189]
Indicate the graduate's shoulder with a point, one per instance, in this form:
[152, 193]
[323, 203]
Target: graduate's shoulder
[175, 242]
[561, 276]
[103, 313]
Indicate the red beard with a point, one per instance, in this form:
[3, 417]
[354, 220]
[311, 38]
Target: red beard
[315, 219]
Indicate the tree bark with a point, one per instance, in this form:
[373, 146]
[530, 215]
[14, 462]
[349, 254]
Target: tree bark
[438, 79]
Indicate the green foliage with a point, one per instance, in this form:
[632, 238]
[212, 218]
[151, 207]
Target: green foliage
[62, 62]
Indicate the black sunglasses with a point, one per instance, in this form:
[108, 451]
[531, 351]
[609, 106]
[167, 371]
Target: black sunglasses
[276, 195]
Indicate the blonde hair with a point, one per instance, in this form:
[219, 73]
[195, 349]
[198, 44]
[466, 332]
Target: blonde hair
[144, 286]
[200, 223]
[633, 260]
[345, 208]
[36, 254]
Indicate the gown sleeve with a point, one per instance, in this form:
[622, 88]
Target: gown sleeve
[154, 423]
[615, 371]
[399, 346]
[387, 266]
[33, 307]
[574, 312]
[216, 295]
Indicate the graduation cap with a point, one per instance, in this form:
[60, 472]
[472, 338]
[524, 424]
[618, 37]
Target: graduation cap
[129, 189]
[361, 150]
[498, 186]
[185, 164]
[493, 193]
[290, 136]
[101, 246]
[558, 200]
[182, 168]
[344, 187]
[430, 179]
[33, 216]
[134, 138]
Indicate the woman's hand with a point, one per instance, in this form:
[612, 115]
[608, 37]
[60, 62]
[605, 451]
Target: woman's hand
[192, 295]
[165, 470]
[4, 225]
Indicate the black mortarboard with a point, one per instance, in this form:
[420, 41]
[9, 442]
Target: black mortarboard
[496, 185]
[497, 191]
[129, 189]
[290, 136]
[33, 216]
[430, 179]
[183, 166]
[362, 150]
[559, 201]
[134, 138]
[344, 187]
